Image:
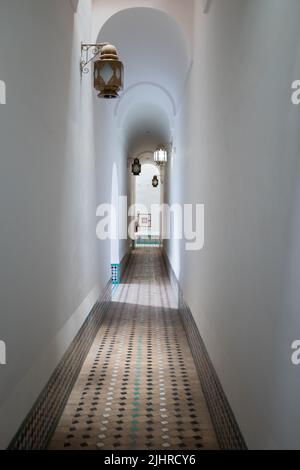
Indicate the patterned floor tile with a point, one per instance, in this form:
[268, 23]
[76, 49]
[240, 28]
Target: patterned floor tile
[138, 387]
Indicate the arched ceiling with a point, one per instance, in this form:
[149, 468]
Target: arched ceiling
[146, 123]
[182, 12]
[154, 52]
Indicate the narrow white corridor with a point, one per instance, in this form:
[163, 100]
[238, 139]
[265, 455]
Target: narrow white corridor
[161, 135]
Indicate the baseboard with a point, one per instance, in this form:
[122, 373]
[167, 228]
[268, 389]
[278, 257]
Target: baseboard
[226, 427]
[39, 424]
[124, 263]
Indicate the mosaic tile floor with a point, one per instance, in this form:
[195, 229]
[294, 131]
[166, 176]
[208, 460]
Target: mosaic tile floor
[138, 387]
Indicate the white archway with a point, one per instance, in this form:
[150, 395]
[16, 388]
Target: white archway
[156, 65]
[175, 9]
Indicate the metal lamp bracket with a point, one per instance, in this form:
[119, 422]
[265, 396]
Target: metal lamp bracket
[88, 54]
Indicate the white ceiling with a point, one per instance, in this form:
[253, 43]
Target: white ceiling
[154, 52]
[146, 122]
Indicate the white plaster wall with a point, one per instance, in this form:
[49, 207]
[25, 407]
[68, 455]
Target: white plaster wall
[238, 145]
[111, 167]
[49, 270]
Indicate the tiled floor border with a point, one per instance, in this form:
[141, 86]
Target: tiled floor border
[124, 263]
[138, 388]
[38, 426]
[42, 419]
[226, 427]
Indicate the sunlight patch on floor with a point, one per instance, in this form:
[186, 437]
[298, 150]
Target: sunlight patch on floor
[144, 294]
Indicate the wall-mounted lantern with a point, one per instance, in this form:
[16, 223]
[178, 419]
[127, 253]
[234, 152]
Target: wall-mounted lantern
[136, 167]
[160, 155]
[155, 181]
[108, 69]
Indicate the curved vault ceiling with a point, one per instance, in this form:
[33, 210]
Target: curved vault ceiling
[147, 124]
[154, 53]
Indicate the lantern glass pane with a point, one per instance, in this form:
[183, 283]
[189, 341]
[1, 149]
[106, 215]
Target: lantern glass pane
[160, 156]
[107, 73]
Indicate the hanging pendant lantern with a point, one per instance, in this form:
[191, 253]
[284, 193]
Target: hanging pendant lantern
[108, 73]
[155, 181]
[136, 167]
[160, 155]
